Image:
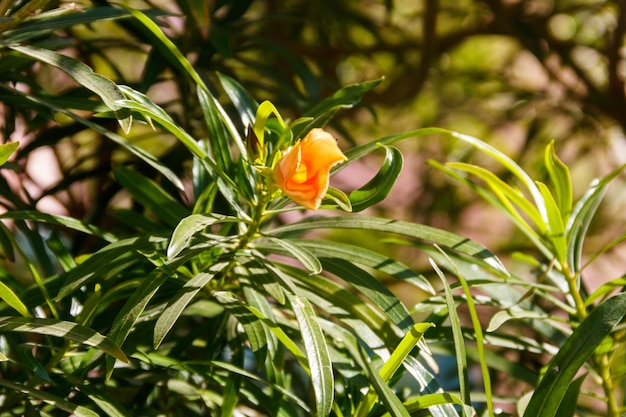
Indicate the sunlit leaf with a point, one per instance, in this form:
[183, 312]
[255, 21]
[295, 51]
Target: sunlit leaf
[561, 180]
[63, 329]
[556, 228]
[8, 296]
[105, 88]
[6, 150]
[317, 354]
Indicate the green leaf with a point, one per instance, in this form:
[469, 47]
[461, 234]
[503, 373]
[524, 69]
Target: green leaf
[379, 186]
[377, 292]
[217, 135]
[582, 214]
[63, 329]
[345, 97]
[310, 261]
[564, 366]
[60, 403]
[263, 113]
[367, 258]
[8, 296]
[59, 220]
[339, 198]
[416, 404]
[317, 354]
[389, 368]
[417, 231]
[506, 194]
[556, 228]
[6, 150]
[188, 227]
[151, 195]
[102, 86]
[106, 261]
[177, 304]
[561, 180]
[460, 354]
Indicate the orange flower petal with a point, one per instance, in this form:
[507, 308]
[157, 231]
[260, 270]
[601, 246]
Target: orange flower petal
[303, 173]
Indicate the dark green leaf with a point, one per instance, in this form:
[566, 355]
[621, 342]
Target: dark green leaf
[151, 195]
[177, 304]
[379, 186]
[416, 231]
[564, 366]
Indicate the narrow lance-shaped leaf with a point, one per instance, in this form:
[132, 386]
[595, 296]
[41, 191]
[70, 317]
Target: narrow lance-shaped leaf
[8, 296]
[556, 229]
[564, 366]
[561, 180]
[404, 348]
[63, 329]
[317, 354]
[379, 186]
[179, 302]
[58, 402]
[105, 88]
[6, 150]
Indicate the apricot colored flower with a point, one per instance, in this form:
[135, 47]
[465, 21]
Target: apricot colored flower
[303, 172]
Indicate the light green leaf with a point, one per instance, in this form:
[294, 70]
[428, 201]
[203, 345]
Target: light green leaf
[8, 296]
[507, 195]
[379, 186]
[339, 198]
[561, 180]
[416, 404]
[389, 368]
[457, 334]
[63, 329]
[188, 227]
[6, 150]
[514, 313]
[310, 261]
[317, 354]
[556, 228]
[564, 366]
[263, 113]
[105, 88]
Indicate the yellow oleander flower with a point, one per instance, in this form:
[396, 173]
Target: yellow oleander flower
[303, 172]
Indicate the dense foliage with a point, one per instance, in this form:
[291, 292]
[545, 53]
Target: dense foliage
[157, 257]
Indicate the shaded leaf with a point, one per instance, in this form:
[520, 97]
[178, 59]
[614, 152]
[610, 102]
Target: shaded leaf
[379, 186]
[564, 366]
